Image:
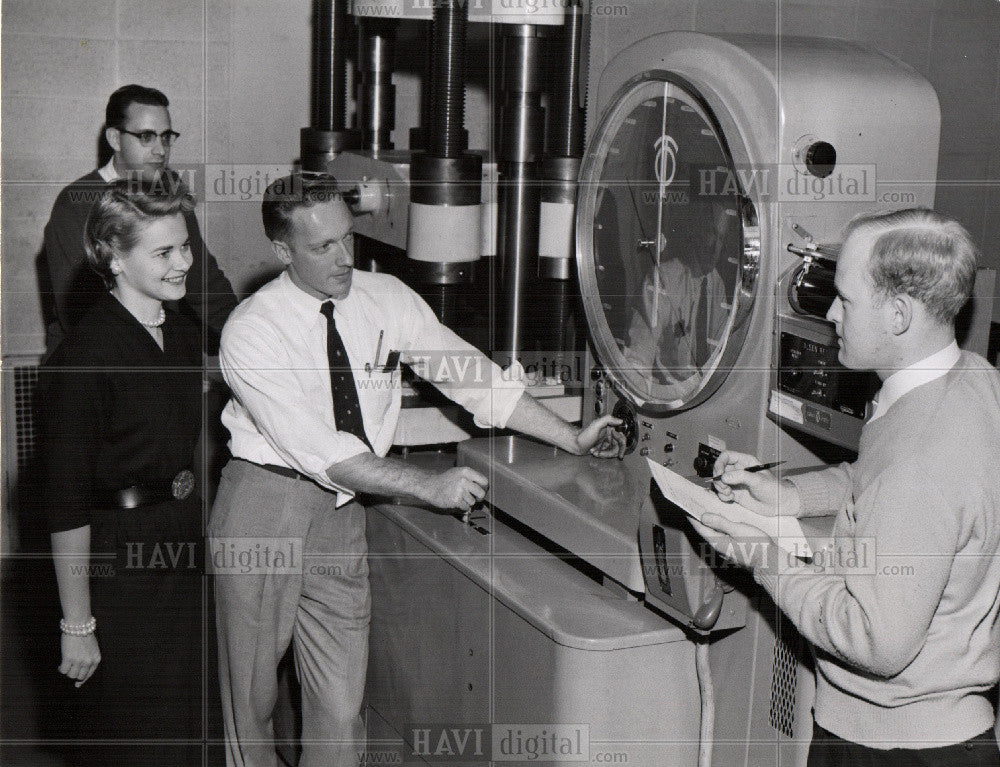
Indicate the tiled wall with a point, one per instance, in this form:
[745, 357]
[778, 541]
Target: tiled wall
[236, 72]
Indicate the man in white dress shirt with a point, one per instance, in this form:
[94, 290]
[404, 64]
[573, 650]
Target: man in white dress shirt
[307, 435]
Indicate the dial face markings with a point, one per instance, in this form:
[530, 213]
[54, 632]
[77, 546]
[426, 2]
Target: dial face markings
[657, 241]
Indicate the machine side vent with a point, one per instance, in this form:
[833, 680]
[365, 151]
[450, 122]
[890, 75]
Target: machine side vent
[25, 383]
[783, 681]
[18, 402]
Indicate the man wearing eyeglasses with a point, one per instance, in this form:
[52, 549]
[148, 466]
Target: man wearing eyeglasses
[137, 126]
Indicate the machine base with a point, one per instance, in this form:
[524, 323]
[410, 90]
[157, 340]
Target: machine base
[481, 640]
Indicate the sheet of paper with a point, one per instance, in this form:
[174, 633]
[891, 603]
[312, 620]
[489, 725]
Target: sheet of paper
[697, 500]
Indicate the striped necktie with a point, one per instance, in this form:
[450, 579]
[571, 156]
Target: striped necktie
[346, 406]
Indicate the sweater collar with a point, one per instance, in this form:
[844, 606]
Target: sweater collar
[904, 381]
[109, 172]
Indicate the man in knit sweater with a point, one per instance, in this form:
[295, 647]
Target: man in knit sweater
[907, 648]
[137, 127]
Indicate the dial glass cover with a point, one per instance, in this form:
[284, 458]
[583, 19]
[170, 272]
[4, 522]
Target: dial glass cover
[664, 224]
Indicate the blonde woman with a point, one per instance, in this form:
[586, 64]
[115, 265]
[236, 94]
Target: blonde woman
[121, 416]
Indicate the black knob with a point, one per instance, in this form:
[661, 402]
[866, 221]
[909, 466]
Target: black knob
[629, 427]
[821, 157]
[703, 466]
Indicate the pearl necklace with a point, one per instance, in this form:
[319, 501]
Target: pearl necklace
[160, 319]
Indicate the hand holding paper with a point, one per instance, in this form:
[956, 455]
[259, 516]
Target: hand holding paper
[736, 521]
[758, 491]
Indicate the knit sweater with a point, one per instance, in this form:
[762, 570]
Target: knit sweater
[905, 620]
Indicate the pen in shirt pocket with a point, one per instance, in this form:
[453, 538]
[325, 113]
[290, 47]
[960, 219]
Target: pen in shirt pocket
[378, 350]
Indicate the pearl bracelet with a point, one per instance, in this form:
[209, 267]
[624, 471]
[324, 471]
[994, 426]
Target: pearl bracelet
[78, 629]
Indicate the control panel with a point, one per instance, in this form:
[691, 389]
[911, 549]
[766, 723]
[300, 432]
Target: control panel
[670, 442]
[811, 391]
[810, 370]
[683, 578]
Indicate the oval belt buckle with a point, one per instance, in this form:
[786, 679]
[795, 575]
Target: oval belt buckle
[183, 484]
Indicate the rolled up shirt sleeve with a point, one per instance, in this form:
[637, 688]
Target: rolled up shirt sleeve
[459, 370]
[256, 367]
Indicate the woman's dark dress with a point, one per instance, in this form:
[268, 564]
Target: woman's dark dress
[119, 412]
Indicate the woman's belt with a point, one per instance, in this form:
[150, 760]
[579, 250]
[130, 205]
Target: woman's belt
[178, 488]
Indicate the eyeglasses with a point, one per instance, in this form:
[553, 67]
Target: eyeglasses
[147, 137]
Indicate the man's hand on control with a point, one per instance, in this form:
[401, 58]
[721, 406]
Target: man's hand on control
[458, 488]
[601, 439]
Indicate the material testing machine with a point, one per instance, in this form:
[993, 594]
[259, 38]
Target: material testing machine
[696, 224]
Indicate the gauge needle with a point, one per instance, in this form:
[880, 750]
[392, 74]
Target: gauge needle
[638, 217]
[661, 176]
[654, 257]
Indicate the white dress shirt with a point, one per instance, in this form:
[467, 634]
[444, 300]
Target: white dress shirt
[273, 356]
[909, 378]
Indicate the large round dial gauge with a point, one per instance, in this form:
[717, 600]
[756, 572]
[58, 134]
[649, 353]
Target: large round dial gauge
[668, 245]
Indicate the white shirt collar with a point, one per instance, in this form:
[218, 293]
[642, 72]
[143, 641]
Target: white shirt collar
[305, 305]
[109, 172]
[903, 381]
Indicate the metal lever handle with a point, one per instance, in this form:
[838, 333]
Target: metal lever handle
[814, 254]
[710, 610]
